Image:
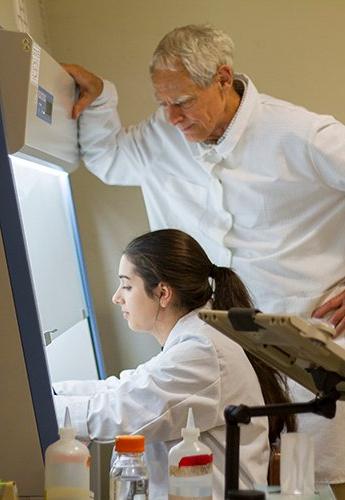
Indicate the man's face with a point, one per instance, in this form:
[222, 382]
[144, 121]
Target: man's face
[198, 112]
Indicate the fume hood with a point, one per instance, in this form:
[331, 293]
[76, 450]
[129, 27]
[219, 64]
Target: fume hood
[48, 328]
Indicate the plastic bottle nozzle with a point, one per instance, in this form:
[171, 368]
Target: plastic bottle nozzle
[190, 430]
[190, 419]
[67, 421]
[67, 431]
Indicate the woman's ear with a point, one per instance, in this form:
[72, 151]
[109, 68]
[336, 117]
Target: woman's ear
[164, 293]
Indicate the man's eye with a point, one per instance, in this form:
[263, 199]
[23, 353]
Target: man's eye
[187, 104]
[182, 105]
[127, 287]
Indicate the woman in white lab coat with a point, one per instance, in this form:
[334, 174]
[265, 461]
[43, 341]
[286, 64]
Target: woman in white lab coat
[165, 278]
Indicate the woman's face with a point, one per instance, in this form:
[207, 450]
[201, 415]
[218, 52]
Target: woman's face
[137, 307]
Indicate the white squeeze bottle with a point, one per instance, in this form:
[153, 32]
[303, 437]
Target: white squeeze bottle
[190, 466]
[67, 466]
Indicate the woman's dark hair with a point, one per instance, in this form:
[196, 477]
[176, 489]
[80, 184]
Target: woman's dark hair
[174, 257]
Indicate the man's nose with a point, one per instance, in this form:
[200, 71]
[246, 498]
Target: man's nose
[174, 114]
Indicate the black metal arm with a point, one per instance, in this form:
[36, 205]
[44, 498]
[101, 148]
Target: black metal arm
[324, 405]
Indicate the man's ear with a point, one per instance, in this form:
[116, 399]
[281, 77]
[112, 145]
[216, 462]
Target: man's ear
[164, 293]
[225, 76]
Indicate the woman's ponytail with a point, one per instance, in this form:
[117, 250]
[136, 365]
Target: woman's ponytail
[229, 291]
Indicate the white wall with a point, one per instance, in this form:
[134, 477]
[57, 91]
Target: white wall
[7, 15]
[292, 49]
[25, 15]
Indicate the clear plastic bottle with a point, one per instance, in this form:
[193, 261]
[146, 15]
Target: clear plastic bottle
[190, 466]
[67, 467]
[128, 478]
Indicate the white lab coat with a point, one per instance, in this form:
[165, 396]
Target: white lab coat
[199, 368]
[268, 200]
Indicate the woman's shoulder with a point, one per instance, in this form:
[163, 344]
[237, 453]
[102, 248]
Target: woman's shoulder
[196, 331]
[221, 342]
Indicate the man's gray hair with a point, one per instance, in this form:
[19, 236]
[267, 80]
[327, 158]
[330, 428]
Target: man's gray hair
[201, 49]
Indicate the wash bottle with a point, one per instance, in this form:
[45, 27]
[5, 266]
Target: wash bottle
[190, 466]
[67, 466]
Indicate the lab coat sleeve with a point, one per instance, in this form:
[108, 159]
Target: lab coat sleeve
[327, 150]
[114, 154]
[85, 387]
[154, 399]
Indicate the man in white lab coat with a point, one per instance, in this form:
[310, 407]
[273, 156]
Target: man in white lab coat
[259, 182]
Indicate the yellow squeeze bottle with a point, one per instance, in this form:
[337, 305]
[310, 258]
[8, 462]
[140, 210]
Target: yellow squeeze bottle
[67, 466]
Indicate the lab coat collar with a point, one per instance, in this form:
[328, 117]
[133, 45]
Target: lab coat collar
[209, 155]
[186, 323]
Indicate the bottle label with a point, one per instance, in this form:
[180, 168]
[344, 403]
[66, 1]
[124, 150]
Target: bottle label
[192, 460]
[194, 470]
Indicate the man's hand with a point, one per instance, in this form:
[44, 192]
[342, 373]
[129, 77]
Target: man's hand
[90, 87]
[336, 304]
